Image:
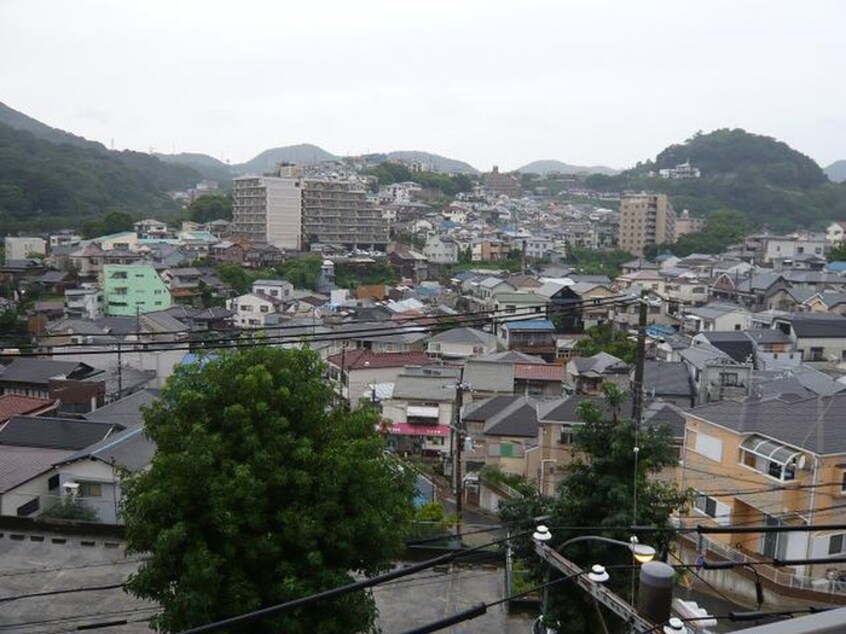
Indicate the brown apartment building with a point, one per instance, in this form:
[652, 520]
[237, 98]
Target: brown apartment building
[645, 219]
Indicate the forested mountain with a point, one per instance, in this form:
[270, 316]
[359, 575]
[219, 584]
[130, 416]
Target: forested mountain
[768, 182]
[208, 166]
[44, 180]
[20, 121]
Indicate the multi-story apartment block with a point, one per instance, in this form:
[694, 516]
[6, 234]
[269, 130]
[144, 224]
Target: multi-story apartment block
[645, 219]
[289, 211]
[269, 209]
[133, 289]
[21, 248]
[338, 212]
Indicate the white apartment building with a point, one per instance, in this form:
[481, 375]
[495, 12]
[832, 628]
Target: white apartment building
[269, 209]
[19, 248]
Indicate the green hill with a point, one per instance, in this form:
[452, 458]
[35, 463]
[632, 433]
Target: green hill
[45, 184]
[20, 121]
[768, 182]
[269, 159]
[208, 166]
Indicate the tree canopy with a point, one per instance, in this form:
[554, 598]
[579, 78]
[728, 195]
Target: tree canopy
[261, 491]
[40, 179]
[210, 207]
[597, 489]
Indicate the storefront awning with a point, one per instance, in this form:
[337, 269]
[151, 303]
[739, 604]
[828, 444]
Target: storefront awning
[410, 429]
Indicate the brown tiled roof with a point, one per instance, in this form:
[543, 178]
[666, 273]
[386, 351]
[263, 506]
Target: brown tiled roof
[14, 405]
[360, 359]
[535, 372]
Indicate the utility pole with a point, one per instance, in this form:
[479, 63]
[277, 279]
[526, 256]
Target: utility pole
[640, 359]
[119, 369]
[458, 429]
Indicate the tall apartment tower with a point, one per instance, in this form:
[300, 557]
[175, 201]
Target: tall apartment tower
[645, 219]
[269, 209]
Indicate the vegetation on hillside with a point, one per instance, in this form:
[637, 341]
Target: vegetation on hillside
[387, 173]
[723, 228]
[768, 182]
[210, 207]
[598, 262]
[42, 180]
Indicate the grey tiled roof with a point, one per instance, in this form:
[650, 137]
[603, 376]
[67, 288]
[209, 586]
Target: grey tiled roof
[822, 325]
[666, 378]
[464, 335]
[19, 464]
[54, 433]
[126, 411]
[129, 449]
[40, 371]
[817, 424]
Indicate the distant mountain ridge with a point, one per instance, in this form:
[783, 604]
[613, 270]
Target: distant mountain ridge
[438, 162]
[549, 166]
[836, 172]
[269, 159]
[208, 166]
[20, 121]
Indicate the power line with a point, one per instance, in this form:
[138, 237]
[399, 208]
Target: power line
[229, 343]
[48, 593]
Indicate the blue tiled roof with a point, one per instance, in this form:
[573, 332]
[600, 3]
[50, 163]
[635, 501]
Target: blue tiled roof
[534, 324]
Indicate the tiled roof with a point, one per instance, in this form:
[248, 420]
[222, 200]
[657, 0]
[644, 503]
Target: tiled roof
[534, 372]
[19, 464]
[817, 424]
[40, 371]
[365, 359]
[14, 405]
[54, 433]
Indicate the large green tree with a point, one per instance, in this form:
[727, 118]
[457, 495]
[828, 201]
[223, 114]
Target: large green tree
[261, 492]
[210, 207]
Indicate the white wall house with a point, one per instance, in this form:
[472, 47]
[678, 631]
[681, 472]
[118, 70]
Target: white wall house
[254, 311]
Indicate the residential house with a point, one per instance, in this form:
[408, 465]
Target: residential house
[421, 410]
[133, 290]
[533, 336]
[32, 446]
[820, 338]
[441, 250]
[773, 349]
[31, 377]
[354, 370]
[254, 310]
[262, 256]
[587, 374]
[834, 233]
[150, 229]
[278, 289]
[460, 343]
[506, 373]
[789, 454]
[716, 316]
[22, 248]
[668, 381]
[409, 264]
[715, 375]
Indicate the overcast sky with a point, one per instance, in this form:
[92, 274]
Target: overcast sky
[490, 82]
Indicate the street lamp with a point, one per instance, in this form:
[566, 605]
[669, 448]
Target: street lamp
[641, 552]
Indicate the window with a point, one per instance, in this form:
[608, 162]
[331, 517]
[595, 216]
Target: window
[835, 544]
[709, 446]
[567, 435]
[53, 482]
[843, 482]
[729, 379]
[90, 489]
[816, 354]
[264, 309]
[713, 508]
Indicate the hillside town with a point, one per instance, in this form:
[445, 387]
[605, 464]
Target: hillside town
[477, 349]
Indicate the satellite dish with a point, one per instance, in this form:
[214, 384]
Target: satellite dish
[801, 462]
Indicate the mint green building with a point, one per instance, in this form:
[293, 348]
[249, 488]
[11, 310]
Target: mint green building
[131, 289]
